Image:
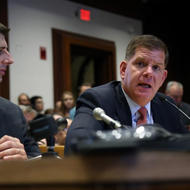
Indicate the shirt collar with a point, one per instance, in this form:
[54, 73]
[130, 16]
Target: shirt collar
[134, 107]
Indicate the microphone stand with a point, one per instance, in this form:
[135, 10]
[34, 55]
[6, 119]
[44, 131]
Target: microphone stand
[50, 152]
[162, 98]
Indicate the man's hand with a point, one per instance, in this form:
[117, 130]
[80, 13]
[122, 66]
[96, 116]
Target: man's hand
[11, 149]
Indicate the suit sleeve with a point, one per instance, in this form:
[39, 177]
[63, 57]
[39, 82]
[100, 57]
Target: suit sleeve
[84, 124]
[29, 143]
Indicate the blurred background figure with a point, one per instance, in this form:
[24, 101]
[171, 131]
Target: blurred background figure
[82, 88]
[60, 136]
[23, 99]
[64, 106]
[49, 111]
[174, 89]
[28, 112]
[38, 105]
[58, 105]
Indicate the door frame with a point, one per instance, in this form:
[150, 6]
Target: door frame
[62, 42]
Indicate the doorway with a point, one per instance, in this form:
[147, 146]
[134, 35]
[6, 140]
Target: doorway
[78, 59]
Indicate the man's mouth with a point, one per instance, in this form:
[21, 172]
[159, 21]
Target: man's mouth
[2, 71]
[144, 85]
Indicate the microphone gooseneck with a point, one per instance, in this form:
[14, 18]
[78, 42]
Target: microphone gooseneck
[163, 98]
[99, 114]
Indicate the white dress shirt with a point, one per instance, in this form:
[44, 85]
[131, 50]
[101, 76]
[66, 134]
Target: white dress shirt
[134, 111]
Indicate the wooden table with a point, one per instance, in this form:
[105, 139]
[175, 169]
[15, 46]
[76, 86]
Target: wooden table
[137, 170]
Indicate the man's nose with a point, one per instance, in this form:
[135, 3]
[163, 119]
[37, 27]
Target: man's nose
[148, 70]
[8, 58]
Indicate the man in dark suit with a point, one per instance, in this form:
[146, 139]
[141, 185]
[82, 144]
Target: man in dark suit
[174, 89]
[14, 142]
[142, 73]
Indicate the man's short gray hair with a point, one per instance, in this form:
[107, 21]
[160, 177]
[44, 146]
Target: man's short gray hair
[173, 83]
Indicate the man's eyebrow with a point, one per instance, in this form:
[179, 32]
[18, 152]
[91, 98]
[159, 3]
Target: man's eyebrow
[160, 63]
[146, 60]
[140, 59]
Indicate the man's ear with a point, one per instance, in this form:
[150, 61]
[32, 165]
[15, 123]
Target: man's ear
[123, 66]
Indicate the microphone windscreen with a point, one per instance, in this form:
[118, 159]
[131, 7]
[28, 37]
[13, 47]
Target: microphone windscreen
[97, 113]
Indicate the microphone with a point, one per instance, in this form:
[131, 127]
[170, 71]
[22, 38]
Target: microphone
[163, 98]
[99, 114]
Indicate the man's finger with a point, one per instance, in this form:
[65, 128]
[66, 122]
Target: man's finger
[15, 157]
[10, 144]
[12, 152]
[8, 138]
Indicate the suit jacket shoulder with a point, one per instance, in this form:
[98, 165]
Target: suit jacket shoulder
[110, 98]
[166, 115]
[13, 123]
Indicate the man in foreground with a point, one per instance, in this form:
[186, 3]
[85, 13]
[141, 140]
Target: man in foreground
[132, 101]
[14, 142]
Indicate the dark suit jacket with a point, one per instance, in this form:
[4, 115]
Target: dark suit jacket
[13, 123]
[112, 100]
[185, 107]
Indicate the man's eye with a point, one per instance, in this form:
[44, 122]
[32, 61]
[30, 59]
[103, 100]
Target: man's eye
[140, 64]
[156, 68]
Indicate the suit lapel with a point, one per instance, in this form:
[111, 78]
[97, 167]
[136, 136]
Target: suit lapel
[156, 110]
[123, 110]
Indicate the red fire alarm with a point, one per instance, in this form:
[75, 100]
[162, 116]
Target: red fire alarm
[43, 53]
[85, 15]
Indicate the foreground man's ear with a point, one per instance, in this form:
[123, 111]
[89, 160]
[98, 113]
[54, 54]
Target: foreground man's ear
[123, 66]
